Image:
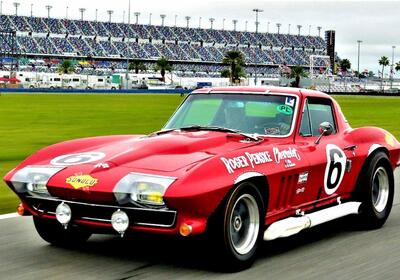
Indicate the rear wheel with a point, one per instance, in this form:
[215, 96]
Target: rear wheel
[54, 233]
[375, 189]
[237, 226]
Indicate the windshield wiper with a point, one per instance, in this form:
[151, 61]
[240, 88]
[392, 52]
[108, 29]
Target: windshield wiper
[221, 129]
[252, 137]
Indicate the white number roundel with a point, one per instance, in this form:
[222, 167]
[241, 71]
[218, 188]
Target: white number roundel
[335, 168]
[75, 159]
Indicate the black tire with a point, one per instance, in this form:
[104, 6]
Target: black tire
[54, 233]
[226, 226]
[51, 87]
[375, 190]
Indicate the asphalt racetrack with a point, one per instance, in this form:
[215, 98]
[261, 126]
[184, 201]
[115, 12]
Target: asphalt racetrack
[331, 251]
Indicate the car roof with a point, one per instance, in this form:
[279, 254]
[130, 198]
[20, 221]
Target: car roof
[262, 90]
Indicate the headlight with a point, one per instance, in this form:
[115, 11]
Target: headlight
[142, 188]
[33, 179]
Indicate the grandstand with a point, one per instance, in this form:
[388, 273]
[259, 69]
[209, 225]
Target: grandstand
[102, 47]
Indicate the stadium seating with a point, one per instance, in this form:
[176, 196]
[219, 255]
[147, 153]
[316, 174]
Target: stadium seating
[197, 51]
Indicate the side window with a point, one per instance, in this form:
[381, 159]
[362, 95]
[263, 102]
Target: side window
[316, 111]
[305, 126]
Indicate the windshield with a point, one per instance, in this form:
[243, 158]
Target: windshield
[249, 113]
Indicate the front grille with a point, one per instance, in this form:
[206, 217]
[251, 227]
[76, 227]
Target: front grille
[98, 212]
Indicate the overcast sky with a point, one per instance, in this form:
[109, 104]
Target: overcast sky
[376, 23]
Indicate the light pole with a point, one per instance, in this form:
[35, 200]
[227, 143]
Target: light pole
[309, 30]
[82, 11]
[358, 57]
[16, 5]
[245, 25]
[223, 24]
[319, 30]
[176, 16]
[109, 12]
[123, 16]
[268, 23]
[66, 12]
[1, 8]
[162, 16]
[257, 11]
[299, 28]
[199, 22]
[48, 7]
[391, 68]
[234, 24]
[137, 14]
[97, 10]
[187, 18]
[211, 23]
[31, 9]
[278, 25]
[289, 29]
[129, 12]
[150, 18]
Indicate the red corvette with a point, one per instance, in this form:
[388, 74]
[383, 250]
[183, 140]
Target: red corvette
[240, 164]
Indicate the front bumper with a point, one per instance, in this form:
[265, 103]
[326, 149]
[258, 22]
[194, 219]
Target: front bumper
[99, 215]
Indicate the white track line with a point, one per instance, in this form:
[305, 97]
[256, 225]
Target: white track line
[9, 216]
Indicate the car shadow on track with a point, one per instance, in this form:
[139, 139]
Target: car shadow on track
[194, 254]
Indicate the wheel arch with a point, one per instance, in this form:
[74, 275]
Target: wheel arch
[259, 180]
[373, 150]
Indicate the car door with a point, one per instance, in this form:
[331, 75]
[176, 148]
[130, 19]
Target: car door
[329, 157]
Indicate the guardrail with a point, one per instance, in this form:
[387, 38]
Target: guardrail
[105, 91]
[158, 91]
[369, 93]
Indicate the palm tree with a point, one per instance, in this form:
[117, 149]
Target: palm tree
[297, 72]
[137, 65]
[163, 65]
[397, 67]
[345, 65]
[384, 61]
[235, 59]
[66, 67]
[226, 73]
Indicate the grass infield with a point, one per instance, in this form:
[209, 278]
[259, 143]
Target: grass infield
[29, 122]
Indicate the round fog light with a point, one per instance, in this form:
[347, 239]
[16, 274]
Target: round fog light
[185, 230]
[63, 214]
[120, 221]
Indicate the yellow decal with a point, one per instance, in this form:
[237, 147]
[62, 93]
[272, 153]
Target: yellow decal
[81, 181]
[389, 139]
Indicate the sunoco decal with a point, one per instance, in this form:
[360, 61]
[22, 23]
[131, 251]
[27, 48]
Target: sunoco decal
[254, 159]
[81, 181]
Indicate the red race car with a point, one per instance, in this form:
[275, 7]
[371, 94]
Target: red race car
[239, 164]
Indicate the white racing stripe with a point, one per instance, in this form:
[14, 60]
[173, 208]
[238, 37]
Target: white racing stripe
[9, 216]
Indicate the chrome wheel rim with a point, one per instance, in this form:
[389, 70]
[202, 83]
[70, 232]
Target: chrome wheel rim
[244, 224]
[380, 189]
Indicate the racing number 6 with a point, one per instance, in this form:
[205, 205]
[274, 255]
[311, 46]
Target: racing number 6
[335, 167]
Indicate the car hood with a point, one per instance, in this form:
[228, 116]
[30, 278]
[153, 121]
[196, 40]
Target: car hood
[174, 150]
[166, 152]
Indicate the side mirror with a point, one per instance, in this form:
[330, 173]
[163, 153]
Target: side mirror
[326, 129]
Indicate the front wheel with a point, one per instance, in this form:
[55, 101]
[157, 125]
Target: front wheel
[54, 233]
[237, 227]
[375, 189]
